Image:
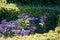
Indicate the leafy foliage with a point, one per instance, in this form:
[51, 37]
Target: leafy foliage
[8, 13]
[58, 20]
[35, 2]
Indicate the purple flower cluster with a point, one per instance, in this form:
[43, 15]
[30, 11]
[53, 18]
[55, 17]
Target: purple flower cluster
[34, 19]
[43, 17]
[22, 32]
[32, 28]
[1, 30]
[14, 25]
[4, 26]
[23, 15]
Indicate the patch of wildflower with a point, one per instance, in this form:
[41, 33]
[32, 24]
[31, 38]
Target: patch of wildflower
[46, 36]
[20, 27]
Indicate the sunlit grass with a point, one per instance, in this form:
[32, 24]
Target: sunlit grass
[2, 1]
[2, 5]
[9, 6]
[12, 6]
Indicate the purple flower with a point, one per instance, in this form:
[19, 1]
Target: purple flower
[44, 17]
[27, 32]
[24, 32]
[34, 19]
[13, 22]
[31, 18]
[32, 28]
[4, 21]
[10, 27]
[21, 32]
[3, 26]
[1, 30]
[16, 31]
[22, 15]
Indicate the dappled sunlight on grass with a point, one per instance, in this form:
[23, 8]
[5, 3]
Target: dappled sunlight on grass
[9, 6]
[2, 5]
[12, 6]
